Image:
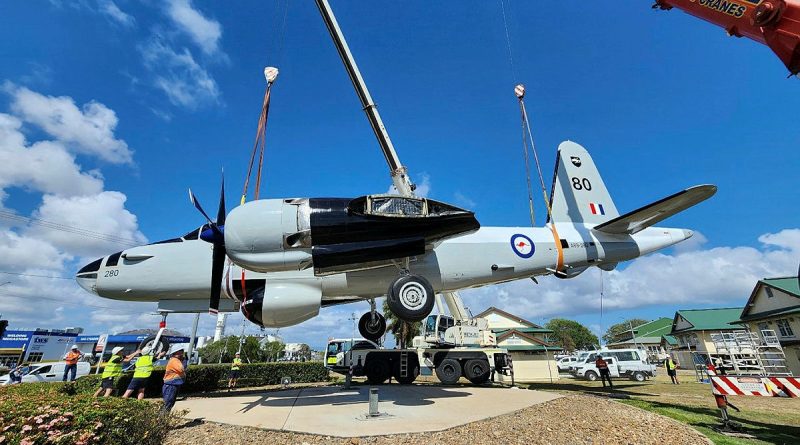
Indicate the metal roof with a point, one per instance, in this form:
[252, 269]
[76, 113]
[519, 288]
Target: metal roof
[708, 319]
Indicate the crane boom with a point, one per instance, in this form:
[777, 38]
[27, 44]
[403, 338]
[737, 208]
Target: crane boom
[399, 173]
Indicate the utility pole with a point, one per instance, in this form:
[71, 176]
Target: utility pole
[193, 336]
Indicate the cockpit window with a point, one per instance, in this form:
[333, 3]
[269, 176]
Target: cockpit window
[193, 235]
[171, 240]
[113, 260]
[94, 266]
[397, 205]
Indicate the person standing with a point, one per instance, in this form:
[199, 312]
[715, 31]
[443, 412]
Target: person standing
[71, 359]
[174, 376]
[111, 371]
[672, 370]
[144, 367]
[605, 374]
[235, 370]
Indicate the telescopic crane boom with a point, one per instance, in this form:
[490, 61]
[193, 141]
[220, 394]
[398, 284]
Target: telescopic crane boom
[399, 173]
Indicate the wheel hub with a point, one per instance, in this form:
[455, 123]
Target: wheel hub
[412, 295]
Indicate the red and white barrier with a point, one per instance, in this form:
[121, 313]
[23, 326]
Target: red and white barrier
[755, 386]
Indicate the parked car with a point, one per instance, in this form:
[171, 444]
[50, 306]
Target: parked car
[48, 372]
[564, 363]
[630, 363]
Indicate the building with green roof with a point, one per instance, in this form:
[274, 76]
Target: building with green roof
[646, 336]
[774, 305]
[692, 329]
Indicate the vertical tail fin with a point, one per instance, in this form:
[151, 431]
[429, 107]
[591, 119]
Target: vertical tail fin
[578, 193]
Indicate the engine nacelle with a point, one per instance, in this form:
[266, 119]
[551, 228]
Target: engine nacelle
[283, 303]
[270, 235]
[570, 272]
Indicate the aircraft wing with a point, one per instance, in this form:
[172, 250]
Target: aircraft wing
[650, 214]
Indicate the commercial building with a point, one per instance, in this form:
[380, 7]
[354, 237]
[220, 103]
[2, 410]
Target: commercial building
[648, 336]
[39, 345]
[528, 344]
[774, 305]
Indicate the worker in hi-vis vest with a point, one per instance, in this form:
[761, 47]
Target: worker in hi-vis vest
[71, 360]
[672, 369]
[111, 371]
[235, 370]
[144, 367]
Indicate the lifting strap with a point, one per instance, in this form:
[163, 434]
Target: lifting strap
[527, 135]
[270, 73]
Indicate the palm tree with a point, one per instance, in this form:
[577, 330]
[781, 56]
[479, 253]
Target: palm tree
[403, 331]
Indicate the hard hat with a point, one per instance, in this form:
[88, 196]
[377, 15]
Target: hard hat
[146, 350]
[116, 350]
[74, 347]
[238, 353]
[176, 349]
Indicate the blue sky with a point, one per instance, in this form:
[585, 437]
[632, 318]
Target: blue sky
[661, 100]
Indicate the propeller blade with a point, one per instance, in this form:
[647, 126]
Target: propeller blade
[217, 268]
[221, 210]
[197, 205]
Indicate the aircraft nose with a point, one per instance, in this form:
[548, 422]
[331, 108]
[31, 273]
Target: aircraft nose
[87, 276]
[687, 233]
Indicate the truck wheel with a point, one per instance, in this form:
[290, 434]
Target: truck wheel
[449, 371]
[591, 376]
[372, 330]
[149, 342]
[638, 376]
[411, 297]
[411, 374]
[477, 371]
[377, 371]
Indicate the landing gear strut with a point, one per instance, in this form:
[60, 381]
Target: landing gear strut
[157, 343]
[372, 325]
[411, 297]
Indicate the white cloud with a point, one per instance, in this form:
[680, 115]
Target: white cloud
[88, 130]
[695, 278]
[203, 31]
[101, 213]
[423, 187]
[111, 10]
[20, 253]
[44, 166]
[178, 75]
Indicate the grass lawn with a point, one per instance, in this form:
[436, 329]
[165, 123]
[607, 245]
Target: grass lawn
[770, 420]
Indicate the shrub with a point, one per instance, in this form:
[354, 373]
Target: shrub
[39, 413]
[203, 378]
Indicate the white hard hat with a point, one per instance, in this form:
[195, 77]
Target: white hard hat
[117, 350]
[146, 350]
[176, 349]
[74, 347]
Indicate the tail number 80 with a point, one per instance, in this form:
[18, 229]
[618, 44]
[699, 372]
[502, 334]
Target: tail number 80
[581, 184]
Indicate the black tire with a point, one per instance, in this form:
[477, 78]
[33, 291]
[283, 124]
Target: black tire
[411, 374]
[369, 330]
[411, 297]
[162, 346]
[477, 371]
[449, 371]
[639, 376]
[377, 371]
[591, 376]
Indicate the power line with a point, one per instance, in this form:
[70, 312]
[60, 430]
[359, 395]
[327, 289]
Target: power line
[34, 275]
[60, 301]
[70, 229]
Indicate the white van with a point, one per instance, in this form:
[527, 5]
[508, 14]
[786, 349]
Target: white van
[630, 363]
[564, 363]
[48, 372]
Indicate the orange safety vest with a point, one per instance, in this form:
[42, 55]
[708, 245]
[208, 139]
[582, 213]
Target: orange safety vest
[72, 357]
[601, 364]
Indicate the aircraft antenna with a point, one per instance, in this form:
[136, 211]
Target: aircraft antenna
[398, 172]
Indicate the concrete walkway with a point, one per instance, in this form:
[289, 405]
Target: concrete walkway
[333, 411]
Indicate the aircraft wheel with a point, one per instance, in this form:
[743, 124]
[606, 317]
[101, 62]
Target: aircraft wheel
[372, 330]
[449, 371]
[477, 371]
[149, 342]
[411, 297]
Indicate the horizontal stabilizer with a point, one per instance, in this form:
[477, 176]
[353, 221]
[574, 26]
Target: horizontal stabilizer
[650, 214]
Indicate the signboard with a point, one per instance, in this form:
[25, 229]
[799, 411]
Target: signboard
[101, 343]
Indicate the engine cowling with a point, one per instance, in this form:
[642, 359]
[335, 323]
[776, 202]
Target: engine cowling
[570, 272]
[270, 235]
[283, 303]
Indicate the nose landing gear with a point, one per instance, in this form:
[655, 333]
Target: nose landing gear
[372, 325]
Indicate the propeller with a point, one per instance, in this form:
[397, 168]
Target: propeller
[215, 234]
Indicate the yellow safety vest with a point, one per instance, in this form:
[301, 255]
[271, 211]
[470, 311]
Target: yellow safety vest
[144, 367]
[113, 367]
[236, 363]
[670, 364]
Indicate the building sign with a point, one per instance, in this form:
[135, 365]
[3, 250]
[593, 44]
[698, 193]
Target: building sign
[101, 343]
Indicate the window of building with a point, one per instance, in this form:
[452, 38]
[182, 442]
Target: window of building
[784, 328]
[35, 357]
[768, 290]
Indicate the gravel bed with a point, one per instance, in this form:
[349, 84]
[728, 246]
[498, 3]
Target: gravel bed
[574, 419]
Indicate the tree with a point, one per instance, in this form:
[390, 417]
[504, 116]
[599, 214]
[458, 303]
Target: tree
[304, 353]
[403, 331]
[272, 350]
[223, 351]
[571, 335]
[622, 330]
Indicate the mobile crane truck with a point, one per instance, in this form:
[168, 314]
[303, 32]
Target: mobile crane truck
[451, 347]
